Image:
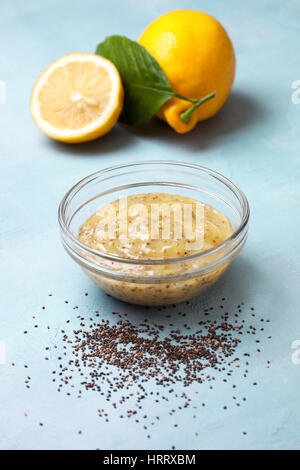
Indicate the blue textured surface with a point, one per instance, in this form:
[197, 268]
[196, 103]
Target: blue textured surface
[254, 141]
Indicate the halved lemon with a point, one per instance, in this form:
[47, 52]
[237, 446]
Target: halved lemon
[79, 97]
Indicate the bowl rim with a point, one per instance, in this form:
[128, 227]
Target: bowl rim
[235, 189]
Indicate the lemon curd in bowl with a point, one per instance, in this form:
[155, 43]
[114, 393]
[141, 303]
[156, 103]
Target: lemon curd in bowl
[154, 233]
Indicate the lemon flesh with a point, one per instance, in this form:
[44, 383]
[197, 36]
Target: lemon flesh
[79, 97]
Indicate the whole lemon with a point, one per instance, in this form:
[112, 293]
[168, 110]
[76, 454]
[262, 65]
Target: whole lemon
[197, 56]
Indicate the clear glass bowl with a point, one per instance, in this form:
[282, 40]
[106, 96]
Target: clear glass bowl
[158, 282]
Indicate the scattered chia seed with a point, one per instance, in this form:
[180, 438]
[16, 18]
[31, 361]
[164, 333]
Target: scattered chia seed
[149, 358]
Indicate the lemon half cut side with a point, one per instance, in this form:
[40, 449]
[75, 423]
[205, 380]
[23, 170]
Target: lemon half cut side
[78, 98]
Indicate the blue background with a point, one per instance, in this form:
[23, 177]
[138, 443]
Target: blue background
[254, 141]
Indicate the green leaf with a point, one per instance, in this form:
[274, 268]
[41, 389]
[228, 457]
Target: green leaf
[146, 86]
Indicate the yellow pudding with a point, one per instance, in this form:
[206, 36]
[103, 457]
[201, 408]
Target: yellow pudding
[166, 229]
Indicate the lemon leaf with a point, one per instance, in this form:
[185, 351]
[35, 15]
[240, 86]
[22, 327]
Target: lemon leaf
[146, 86]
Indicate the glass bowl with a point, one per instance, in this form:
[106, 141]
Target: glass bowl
[158, 282]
